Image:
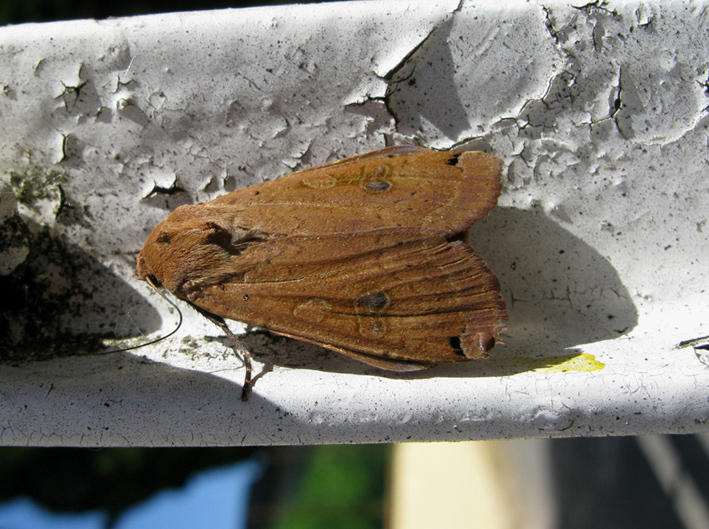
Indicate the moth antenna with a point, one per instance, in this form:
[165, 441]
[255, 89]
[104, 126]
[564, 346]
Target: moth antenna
[156, 340]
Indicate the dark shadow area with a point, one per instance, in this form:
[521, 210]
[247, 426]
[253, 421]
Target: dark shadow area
[560, 292]
[61, 301]
[427, 72]
[167, 199]
[131, 400]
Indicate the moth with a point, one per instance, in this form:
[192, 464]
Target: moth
[363, 256]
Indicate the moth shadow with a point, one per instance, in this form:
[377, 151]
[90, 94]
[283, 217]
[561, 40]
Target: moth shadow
[280, 351]
[271, 349]
[560, 292]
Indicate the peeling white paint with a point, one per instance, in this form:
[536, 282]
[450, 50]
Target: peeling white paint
[599, 241]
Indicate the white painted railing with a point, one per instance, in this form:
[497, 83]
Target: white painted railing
[599, 239]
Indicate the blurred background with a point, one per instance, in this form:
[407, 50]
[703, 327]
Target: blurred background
[654, 481]
[649, 482]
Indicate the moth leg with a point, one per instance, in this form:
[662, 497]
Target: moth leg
[245, 355]
[267, 368]
[239, 349]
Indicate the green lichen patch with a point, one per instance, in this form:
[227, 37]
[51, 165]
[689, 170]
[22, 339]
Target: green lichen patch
[37, 183]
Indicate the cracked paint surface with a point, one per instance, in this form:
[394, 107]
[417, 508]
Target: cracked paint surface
[598, 110]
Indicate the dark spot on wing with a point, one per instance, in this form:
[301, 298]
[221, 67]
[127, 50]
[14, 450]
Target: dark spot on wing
[456, 345]
[453, 160]
[372, 302]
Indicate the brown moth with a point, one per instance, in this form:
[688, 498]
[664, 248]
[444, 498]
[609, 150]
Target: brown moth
[358, 256]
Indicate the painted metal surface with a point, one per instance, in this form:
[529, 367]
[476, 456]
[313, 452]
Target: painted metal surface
[599, 239]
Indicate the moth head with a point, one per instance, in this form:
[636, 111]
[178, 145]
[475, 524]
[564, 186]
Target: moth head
[196, 243]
